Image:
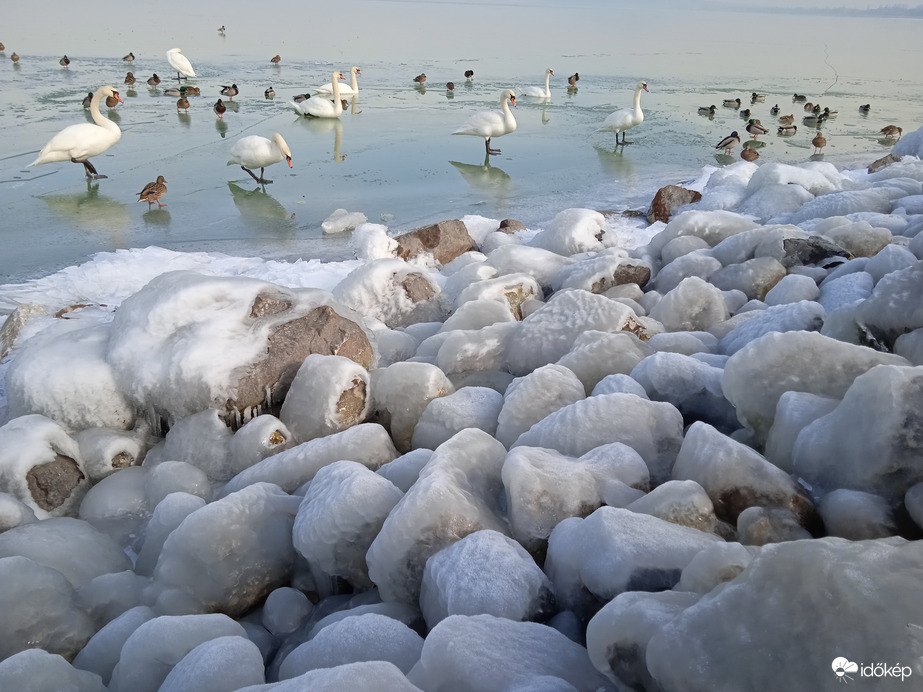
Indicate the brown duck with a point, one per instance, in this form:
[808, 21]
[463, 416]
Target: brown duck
[276, 59]
[892, 131]
[152, 192]
[819, 142]
[420, 78]
[130, 80]
[220, 109]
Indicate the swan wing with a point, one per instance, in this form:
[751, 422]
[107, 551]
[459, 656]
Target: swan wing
[321, 108]
[78, 142]
[621, 120]
[533, 91]
[486, 124]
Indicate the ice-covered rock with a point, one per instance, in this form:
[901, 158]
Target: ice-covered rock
[404, 471]
[285, 610]
[228, 555]
[693, 305]
[36, 669]
[443, 417]
[856, 515]
[483, 653]
[699, 263]
[445, 241]
[529, 399]
[540, 264]
[175, 477]
[223, 664]
[259, 438]
[102, 652]
[572, 231]
[859, 238]
[680, 502]
[475, 350]
[342, 220]
[651, 428]
[371, 241]
[614, 550]
[168, 514]
[510, 290]
[910, 346]
[104, 451]
[913, 502]
[910, 144]
[202, 440]
[716, 564]
[601, 272]
[478, 313]
[843, 290]
[681, 245]
[792, 288]
[118, 504]
[459, 492]
[710, 226]
[895, 306]
[762, 525]
[328, 394]
[109, 595]
[619, 384]
[890, 258]
[367, 676]
[13, 513]
[804, 315]
[596, 355]
[841, 203]
[794, 411]
[484, 573]
[401, 392]
[754, 277]
[340, 516]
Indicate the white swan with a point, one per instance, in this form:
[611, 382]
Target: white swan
[625, 118]
[538, 92]
[253, 151]
[489, 124]
[322, 107]
[180, 63]
[78, 143]
[345, 90]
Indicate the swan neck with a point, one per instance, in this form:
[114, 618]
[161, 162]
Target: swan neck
[354, 84]
[638, 98]
[547, 84]
[97, 116]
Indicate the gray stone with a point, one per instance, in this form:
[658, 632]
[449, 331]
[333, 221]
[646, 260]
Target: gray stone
[14, 324]
[445, 240]
[668, 199]
[511, 226]
[883, 161]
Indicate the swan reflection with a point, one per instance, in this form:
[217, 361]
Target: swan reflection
[260, 207]
[90, 211]
[323, 126]
[488, 179]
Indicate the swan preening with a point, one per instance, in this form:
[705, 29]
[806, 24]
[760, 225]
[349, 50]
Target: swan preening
[322, 107]
[180, 63]
[489, 124]
[345, 90]
[78, 143]
[625, 118]
[255, 151]
[538, 92]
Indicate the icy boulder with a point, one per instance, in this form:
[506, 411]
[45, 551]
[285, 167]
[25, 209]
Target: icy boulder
[710, 226]
[285, 610]
[14, 513]
[367, 676]
[483, 653]
[459, 492]
[261, 437]
[774, 200]
[341, 220]
[571, 232]
[694, 305]
[761, 525]
[792, 289]
[788, 585]
[105, 451]
[699, 263]
[910, 144]
[475, 350]
[757, 375]
[41, 466]
[805, 316]
[550, 332]
[530, 398]
[36, 669]
[652, 428]
[754, 277]
[402, 392]
[840, 291]
[679, 502]
[101, 653]
[715, 565]
[39, 610]
[222, 664]
[849, 448]
[596, 355]
[478, 313]
[404, 471]
[544, 487]
[484, 573]
[168, 514]
[510, 290]
[42, 379]
[231, 553]
[445, 241]
[340, 516]
[201, 440]
[857, 515]
[469, 407]
[842, 203]
[542, 265]
[371, 241]
[890, 258]
[895, 306]
[328, 394]
[794, 412]
[859, 238]
[599, 273]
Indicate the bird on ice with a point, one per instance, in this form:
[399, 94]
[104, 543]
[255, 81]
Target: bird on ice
[152, 192]
[729, 142]
[625, 118]
[489, 124]
[180, 63]
[255, 151]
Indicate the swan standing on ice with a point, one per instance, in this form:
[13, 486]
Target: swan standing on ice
[345, 90]
[78, 143]
[253, 151]
[625, 118]
[180, 63]
[321, 107]
[489, 124]
[538, 92]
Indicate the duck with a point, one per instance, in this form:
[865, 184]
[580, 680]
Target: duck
[450, 86]
[180, 63]
[183, 102]
[787, 119]
[250, 152]
[64, 62]
[154, 81]
[829, 114]
[799, 98]
[489, 124]
[707, 110]
[172, 91]
[275, 59]
[755, 128]
[14, 57]
[78, 143]
[87, 99]
[816, 109]
[539, 92]
[819, 142]
[774, 110]
[808, 107]
[270, 93]
[891, 131]
[220, 109]
[350, 89]
[229, 91]
[302, 97]
[812, 119]
[754, 97]
[2, 47]
[731, 103]
[573, 79]
[748, 154]
[625, 118]
[745, 113]
[729, 142]
[420, 78]
[221, 29]
[788, 129]
[152, 192]
[322, 107]
[112, 102]
[130, 80]
[129, 58]
[469, 75]
[193, 91]
[865, 108]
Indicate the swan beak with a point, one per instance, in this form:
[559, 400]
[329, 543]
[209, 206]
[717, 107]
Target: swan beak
[513, 101]
[289, 159]
[646, 89]
[358, 71]
[119, 98]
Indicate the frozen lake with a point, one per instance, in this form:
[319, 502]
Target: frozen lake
[390, 155]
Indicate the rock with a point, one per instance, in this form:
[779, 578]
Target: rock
[15, 321]
[814, 250]
[883, 161]
[754, 277]
[445, 241]
[857, 515]
[401, 392]
[510, 290]
[512, 226]
[694, 305]
[668, 199]
[221, 664]
[679, 502]
[529, 399]
[762, 525]
[600, 273]
[443, 417]
[895, 305]
[36, 669]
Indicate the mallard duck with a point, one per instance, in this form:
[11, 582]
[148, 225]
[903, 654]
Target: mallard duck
[64, 62]
[748, 154]
[420, 78]
[220, 108]
[787, 119]
[112, 101]
[774, 110]
[799, 98]
[183, 102]
[129, 58]
[173, 91]
[745, 113]
[87, 99]
[829, 114]
[755, 128]
[729, 142]
[14, 57]
[301, 97]
[707, 110]
[865, 108]
[808, 107]
[816, 109]
[731, 103]
[270, 93]
[812, 119]
[788, 129]
[450, 86]
[754, 97]
[221, 29]
[2, 47]
[275, 59]
[193, 91]
[891, 131]
[130, 80]
[469, 75]
[573, 79]
[152, 192]
[229, 91]
[819, 142]
[154, 81]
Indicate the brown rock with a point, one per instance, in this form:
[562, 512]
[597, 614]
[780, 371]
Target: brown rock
[511, 226]
[417, 287]
[445, 240]
[351, 404]
[883, 161]
[51, 484]
[668, 199]
[625, 273]
[14, 324]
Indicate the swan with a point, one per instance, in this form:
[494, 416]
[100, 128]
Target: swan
[538, 92]
[489, 124]
[321, 107]
[253, 151]
[345, 90]
[78, 143]
[180, 63]
[625, 118]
